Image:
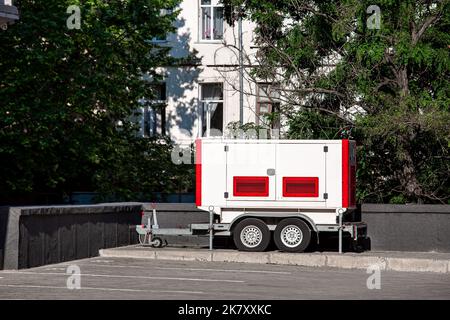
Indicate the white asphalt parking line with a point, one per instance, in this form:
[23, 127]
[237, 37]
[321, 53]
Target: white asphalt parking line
[225, 270]
[119, 276]
[100, 289]
[189, 269]
[114, 266]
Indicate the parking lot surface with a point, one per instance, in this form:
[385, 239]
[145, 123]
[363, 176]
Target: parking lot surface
[123, 278]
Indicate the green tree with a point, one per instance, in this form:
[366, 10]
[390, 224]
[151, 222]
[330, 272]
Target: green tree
[342, 75]
[67, 97]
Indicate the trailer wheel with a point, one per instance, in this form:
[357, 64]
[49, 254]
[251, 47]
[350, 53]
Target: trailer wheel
[292, 235]
[251, 235]
[157, 243]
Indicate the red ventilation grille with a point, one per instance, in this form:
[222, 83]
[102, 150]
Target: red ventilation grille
[251, 186]
[300, 187]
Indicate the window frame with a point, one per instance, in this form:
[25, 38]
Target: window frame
[205, 115]
[212, 5]
[270, 101]
[153, 108]
[163, 12]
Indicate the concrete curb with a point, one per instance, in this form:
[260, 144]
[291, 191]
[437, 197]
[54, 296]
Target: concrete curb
[331, 260]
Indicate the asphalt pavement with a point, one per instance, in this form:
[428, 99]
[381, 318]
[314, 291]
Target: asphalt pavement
[125, 278]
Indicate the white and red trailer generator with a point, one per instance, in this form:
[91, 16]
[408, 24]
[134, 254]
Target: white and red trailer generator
[285, 190]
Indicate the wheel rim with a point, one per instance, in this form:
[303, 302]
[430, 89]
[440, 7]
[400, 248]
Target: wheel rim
[251, 236]
[291, 236]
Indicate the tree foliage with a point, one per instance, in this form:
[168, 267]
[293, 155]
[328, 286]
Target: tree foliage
[67, 99]
[343, 77]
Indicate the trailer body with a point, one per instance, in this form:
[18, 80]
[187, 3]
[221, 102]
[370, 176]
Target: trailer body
[285, 190]
[315, 176]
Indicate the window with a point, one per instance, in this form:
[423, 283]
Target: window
[162, 37]
[268, 106]
[212, 109]
[211, 19]
[155, 112]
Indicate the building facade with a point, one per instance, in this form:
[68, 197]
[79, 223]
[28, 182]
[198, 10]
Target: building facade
[8, 13]
[202, 98]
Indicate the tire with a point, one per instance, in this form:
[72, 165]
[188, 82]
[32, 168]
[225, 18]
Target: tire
[251, 235]
[158, 243]
[292, 235]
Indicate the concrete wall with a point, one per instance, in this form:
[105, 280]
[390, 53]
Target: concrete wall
[34, 236]
[3, 225]
[408, 227]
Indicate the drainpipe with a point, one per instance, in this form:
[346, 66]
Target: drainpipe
[241, 71]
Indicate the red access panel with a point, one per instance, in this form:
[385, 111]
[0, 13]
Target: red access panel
[301, 187]
[251, 186]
